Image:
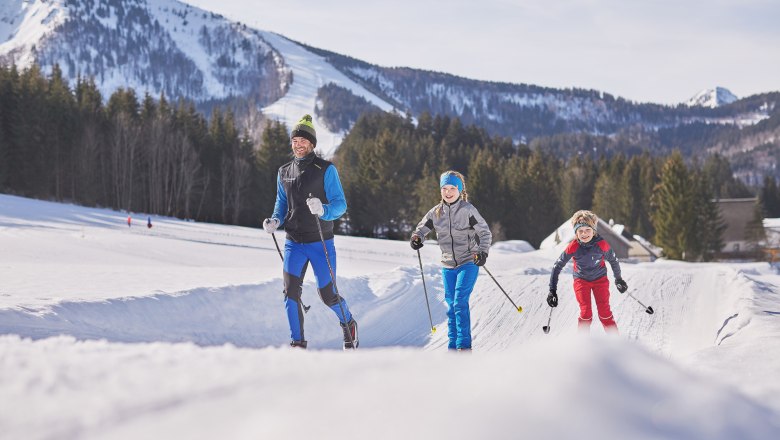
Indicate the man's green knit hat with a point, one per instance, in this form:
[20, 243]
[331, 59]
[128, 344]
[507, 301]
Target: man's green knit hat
[305, 129]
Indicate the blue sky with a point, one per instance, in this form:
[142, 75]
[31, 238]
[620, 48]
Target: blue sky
[661, 51]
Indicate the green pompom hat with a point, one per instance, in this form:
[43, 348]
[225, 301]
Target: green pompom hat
[305, 129]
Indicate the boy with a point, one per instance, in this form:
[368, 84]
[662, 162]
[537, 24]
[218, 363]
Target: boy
[589, 251]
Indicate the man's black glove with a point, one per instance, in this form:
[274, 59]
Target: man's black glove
[621, 285]
[480, 258]
[416, 242]
[552, 299]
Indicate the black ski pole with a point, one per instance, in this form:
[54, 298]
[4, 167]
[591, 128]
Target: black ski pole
[519, 309]
[425, 289]
[277, 247]
[333, 279]
[546, 328]
[305, 307]
[648, 309]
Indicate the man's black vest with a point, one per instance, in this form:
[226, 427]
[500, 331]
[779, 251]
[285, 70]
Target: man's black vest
[300, 178]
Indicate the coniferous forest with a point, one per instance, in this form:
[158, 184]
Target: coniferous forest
[66, 142]
[138, 154]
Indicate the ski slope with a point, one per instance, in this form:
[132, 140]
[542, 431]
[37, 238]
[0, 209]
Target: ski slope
[310, 73]
[178, 331]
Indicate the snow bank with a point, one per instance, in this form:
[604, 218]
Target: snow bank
[554, 390]
[176, 332]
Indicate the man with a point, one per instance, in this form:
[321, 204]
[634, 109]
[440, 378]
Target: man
[308, 191]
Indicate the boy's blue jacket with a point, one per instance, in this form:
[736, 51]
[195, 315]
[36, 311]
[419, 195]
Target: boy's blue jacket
[589, 260]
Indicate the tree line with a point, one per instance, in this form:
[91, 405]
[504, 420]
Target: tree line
[390, 166]
[150, 155]
[138, 155]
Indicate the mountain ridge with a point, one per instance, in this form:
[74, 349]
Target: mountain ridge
[164, 47]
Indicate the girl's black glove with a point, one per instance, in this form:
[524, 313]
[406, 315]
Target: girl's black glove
[415, 242]
[552, 299]
[480, 258]
[621, 285]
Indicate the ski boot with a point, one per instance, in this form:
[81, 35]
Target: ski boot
[350, 329]
[298, 344]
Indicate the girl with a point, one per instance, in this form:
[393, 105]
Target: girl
[589, 252]
[464, 239]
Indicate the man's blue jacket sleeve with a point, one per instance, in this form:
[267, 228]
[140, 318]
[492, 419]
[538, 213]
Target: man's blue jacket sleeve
[280, 207]
[337, 203]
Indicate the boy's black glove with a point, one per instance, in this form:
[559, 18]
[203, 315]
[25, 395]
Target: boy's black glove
[480, 258]
[415, 242]
[552, 299]
[621, 285]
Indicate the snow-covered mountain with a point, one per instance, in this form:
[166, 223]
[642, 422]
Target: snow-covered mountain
[178, 331]
[712, 98]
[164, 46]
[154, 46]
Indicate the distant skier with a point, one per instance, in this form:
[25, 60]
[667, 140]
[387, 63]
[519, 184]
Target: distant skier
[464, 239]
[129, 221]
[589, 251]
[149, 222]
[308, 175]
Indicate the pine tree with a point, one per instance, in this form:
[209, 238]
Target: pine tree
[486, 192]
[518, 197]
[380, 169]
[709, 224]
[274, 152]
[723, 184]
[533, 197]
[61, 125]
[577, 185]
[89, 183]
[674, 215]
[426, 193]
[9, 117]
[636, 204]
[609, 194]
[649, 178]
[29, 154]
[770, 197]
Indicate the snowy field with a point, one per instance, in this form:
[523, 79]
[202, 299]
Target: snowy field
[178, 331]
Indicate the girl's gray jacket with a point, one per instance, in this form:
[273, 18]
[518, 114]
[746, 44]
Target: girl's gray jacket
[460, 230]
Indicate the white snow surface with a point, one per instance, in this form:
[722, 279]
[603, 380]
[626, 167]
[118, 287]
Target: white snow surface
[178, 331]
[310, 73]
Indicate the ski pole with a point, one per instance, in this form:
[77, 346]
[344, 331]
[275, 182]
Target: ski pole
[333, 279]
[305, 307]
[425, 289]
[519, 309]
[648, 309]
[277, 247]
[546, 328]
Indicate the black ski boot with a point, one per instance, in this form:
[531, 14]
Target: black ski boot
[350, 327]
[298, 344]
